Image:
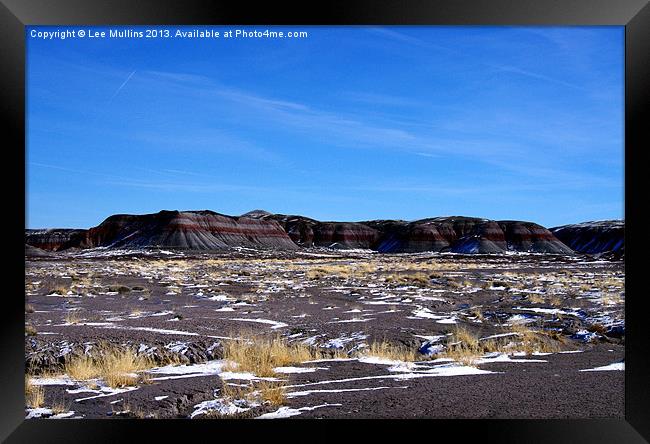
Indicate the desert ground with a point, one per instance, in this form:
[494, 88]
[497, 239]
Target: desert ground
[323, 334]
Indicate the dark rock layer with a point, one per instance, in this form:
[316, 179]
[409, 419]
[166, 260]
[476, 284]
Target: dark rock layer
[55, 239]
[31, 251]
[207, 230]
[465, 235]
[307, 232]
[192, 230]
[593, 237]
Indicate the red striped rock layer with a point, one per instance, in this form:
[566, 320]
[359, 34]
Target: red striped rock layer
[308, 232]
[192, 230]
[207, 230]
[466, 235]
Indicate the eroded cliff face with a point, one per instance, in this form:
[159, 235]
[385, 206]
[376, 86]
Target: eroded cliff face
[192, 230]
[307, 232]
[55, 239]
[207, 230]
[593, 237]
[459, 234]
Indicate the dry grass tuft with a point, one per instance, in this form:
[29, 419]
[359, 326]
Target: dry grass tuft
[29, 308]
[268, 392]
[535, 298]
[272, 392]
[386, 350]
[72, 317]
[117, 367]
[82, 368]
[464, 347]
[59, 289]
[340, 271]
[30, 330]
[60, 407]
[477, 313]
[417, 279]
[261, 355]
[530, 341]
[34, 394]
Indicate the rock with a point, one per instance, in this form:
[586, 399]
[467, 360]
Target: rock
[594, 237]
[191, 230]
[465, 235]
[43, 356]
[207, 230]
[31, 251]
[307, 232]
[55, 239]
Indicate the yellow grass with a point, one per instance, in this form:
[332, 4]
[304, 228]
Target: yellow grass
[464, 347]
[30, 330]
[269, 392]
[530, 341]
[59, 407]
[418, 279]
[117, 367]
[535, 298]
[329, 271]
[387, 350]
[58, 289]
[477, 313]
[82, 368]
[34, 394]
[261, 355]
[72, 317]
[272, 392]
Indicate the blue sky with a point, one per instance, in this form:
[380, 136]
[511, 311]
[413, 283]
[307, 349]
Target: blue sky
[350, 123]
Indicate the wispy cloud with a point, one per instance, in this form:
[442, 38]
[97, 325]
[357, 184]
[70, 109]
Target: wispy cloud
[353, 131]
[534, 75]
[423, 44]
[117, 91]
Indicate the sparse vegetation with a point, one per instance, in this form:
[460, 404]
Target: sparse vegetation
[373, 292]
[121, 289]
[34, 394]
[535, 298]
[117, 367]
[531, 341]
[417, 279]
[463, 347]
[260, 355]
[60, 407]
[72, 317]
[58, 288]
[386, 350]
[272, 392]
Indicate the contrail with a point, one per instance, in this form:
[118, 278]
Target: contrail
[121, 86]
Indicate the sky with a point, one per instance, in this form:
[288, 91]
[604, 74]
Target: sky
[350, 123]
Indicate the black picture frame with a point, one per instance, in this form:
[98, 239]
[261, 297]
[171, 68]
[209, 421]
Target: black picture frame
[633, 14]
